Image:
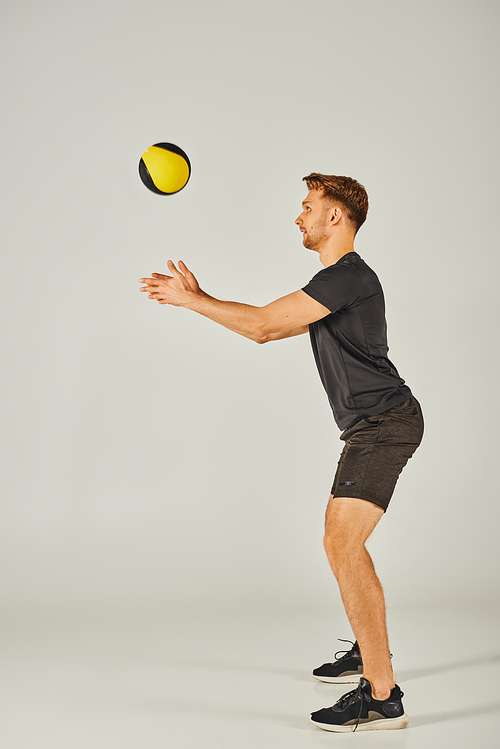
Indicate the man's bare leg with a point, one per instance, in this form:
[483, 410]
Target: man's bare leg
[348, 524]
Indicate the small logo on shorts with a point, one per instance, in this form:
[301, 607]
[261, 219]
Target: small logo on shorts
[346, 483]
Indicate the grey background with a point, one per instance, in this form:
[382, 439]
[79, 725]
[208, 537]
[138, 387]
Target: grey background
[150, 456]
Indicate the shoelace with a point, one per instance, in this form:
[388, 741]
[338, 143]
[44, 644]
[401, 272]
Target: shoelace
[346, 652]
[357, 695]
[350, 699]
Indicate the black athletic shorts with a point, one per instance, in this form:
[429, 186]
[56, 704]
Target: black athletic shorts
[376, 450]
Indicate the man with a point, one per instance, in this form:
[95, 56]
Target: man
[342, 308]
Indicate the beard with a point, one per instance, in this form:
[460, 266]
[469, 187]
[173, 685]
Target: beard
[315, 236]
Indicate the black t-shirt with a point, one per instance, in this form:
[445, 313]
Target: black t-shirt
[350, 344]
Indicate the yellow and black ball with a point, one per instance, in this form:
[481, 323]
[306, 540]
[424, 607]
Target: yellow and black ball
[164, 168]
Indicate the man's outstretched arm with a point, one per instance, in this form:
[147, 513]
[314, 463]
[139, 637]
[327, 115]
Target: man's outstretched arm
[288, 316]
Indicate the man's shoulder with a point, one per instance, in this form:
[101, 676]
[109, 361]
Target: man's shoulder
[347, 265]
[335, 286]
[335, 276]
[364, 271]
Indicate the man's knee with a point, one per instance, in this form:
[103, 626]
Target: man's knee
[348, 524]
[332, 550]
[341, 547]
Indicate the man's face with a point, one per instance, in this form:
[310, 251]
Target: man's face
[313, 220]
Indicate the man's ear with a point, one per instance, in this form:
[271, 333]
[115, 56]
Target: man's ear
[335, 215]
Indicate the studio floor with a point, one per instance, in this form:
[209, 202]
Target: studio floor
[236, 678]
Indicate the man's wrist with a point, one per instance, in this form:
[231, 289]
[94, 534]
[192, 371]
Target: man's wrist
[197, 300]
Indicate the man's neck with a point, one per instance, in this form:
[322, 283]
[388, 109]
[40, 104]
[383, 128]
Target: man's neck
[331, 254]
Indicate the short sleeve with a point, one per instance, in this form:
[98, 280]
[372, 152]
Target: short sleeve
[335, 287]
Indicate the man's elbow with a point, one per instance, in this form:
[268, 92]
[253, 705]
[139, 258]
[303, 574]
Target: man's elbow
[262, 332]
[259, 335]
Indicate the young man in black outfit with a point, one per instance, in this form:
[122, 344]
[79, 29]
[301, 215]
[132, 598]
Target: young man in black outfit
[342, 308]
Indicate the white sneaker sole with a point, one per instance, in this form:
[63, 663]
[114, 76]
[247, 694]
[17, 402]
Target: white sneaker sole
[352, 679]
[375, 725]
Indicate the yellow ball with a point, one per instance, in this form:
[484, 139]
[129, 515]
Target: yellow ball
[164, 168]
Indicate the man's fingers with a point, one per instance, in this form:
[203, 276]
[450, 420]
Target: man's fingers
[160, 287]
[190, 277]
[156, 278]
[186, 270]
[150, 288]
[174, 270]
[154, 283]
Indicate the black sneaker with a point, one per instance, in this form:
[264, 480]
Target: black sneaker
[347, 669]
[358, 710]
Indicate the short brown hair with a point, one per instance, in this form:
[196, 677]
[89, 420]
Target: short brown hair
[344, 190]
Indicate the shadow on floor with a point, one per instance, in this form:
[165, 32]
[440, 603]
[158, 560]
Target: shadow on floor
[224, 664]
[418, 673]
[453, 715]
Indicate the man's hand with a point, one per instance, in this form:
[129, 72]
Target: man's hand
[177, 289]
